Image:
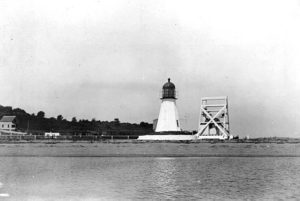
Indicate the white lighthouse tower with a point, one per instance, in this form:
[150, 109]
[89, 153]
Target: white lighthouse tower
[168, 116]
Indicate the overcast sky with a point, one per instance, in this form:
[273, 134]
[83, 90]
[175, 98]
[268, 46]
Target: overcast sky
[107, 58]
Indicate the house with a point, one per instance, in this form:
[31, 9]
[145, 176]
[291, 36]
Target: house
[8, 123]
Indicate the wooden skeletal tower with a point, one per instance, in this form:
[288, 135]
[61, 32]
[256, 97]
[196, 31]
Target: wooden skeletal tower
[214, 118]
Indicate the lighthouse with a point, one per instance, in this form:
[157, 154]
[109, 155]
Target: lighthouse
[168, 115]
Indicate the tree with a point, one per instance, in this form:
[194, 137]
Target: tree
[19, 112]
[117, 121]
[59, 117]
[74, 119]
[40, 114]
[145, 125]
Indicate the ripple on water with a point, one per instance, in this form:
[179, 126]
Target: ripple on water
[4, 195]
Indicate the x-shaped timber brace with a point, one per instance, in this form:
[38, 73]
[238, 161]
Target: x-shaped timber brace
[207, 120]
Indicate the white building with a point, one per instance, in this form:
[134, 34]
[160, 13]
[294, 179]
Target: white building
[168, 119]
[8, 123]
[51, 135]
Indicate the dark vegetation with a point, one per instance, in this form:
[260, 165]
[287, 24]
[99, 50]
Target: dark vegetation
[38, 124]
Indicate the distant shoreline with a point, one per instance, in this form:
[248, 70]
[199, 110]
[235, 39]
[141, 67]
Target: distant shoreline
[273, 140]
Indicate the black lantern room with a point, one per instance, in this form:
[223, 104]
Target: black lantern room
[168, 90]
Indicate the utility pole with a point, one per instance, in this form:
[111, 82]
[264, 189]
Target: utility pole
[27, 126]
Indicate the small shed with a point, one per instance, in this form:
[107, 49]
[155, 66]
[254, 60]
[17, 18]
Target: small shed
[8, 123]
[52, 135]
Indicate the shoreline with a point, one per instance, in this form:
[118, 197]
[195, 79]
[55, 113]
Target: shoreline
[134, 141]
[145, 149]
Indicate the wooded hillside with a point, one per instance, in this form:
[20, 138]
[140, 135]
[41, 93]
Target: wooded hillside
[38, 124]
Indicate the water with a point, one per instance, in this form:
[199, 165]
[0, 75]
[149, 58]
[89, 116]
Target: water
[149, 178]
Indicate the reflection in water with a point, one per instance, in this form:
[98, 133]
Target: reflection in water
[215, 178]
[164, 177]
[4, 195]
[218, 178]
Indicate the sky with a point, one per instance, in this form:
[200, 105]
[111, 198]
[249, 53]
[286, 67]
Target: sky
[108, 59]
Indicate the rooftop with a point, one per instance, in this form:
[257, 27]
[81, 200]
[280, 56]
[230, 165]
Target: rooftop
[7, 119]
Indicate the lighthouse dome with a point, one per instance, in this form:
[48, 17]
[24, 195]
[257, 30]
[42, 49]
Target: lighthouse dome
[168, 90]
[169, 85]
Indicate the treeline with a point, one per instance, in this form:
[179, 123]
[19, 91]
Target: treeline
[38, 124]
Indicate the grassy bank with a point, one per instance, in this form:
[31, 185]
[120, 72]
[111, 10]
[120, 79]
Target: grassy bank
[130, 139]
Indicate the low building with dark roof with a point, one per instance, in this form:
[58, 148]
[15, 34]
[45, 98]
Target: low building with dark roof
[8, 123]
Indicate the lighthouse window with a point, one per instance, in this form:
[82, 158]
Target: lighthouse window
[168, 93]
[177, 123]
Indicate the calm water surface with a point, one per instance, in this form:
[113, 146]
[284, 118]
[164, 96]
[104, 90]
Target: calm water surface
[149, 178]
